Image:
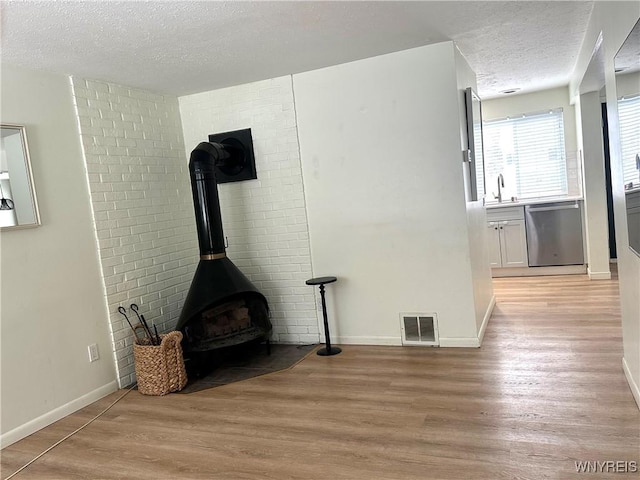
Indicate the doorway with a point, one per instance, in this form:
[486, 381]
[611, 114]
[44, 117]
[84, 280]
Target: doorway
[607, 173]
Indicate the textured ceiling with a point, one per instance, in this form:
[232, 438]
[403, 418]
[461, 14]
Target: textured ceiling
[182, 47]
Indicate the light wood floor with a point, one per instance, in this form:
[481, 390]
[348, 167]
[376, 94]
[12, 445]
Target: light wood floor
[546, 389]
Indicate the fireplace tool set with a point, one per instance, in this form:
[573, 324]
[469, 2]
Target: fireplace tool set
[158, 358]
[153, 338]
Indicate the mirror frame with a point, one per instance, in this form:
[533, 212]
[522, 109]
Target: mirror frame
[27, 165]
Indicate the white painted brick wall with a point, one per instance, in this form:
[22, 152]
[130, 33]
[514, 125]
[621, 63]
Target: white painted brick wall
[265, 220]
[141, 197]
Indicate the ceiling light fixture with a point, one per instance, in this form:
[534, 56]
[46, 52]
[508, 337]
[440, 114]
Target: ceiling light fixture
[510, 90]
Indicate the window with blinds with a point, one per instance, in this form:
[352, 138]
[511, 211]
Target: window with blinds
[529, 152]
[629, 113]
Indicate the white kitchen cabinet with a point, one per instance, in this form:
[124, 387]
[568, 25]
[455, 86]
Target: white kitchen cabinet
[507, 238]
[495, 256]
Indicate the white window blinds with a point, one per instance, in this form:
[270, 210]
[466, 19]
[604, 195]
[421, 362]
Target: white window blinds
[529, 152]
[629, 112]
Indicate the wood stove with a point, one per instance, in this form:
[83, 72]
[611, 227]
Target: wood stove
[223, 308]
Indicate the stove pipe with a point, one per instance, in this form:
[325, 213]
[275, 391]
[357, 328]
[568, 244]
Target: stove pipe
[216, 278]
[204, 158]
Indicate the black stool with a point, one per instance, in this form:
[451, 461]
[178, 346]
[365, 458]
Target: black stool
[328, 349]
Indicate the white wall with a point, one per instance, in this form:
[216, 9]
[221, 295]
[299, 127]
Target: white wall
[265, 220]
[476, 213]
[52, 296]
[141, 198]
[628, 84]
[615, 20]
[381, 156]
[595, 193]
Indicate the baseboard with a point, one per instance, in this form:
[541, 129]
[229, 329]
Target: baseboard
[598, 275]
[485, 320]
[632, 384]
[366, 340]
[56, 414]
[538, 271]
[460, 342]
[397, 341]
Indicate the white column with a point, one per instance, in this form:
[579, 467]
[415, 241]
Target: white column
[595, 196]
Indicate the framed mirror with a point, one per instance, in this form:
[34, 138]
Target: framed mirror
[627, 65]
[18, 205]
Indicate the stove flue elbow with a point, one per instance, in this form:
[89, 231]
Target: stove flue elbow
[208, 155]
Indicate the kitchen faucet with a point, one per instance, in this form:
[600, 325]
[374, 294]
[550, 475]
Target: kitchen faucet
[500, 186]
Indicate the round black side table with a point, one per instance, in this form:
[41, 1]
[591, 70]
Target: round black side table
[327, 349]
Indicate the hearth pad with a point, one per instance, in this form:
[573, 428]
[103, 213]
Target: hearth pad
[234, 369]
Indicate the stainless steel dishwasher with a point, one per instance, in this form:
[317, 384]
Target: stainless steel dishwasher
[554, 234]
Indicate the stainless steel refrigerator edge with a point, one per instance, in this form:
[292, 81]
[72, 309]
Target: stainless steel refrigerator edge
[554, 234]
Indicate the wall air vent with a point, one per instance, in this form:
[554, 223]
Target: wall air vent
[419, 329]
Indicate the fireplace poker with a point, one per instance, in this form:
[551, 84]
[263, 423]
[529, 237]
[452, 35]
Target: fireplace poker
[147, 330]
[123, 312]
[146, 325]
[155, 329]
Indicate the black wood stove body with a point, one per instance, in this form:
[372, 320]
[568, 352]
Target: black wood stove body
[223, 308]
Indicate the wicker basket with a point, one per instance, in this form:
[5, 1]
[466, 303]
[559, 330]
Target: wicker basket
[160, 368]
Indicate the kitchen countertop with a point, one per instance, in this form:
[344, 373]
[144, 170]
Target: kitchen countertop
[530, 201]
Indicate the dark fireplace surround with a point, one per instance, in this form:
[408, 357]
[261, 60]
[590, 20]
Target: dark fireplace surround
[223, 308]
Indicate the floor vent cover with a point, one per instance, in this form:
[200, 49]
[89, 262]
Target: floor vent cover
[419, 329]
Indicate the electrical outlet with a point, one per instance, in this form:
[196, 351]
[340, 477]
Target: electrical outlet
[93, 352]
